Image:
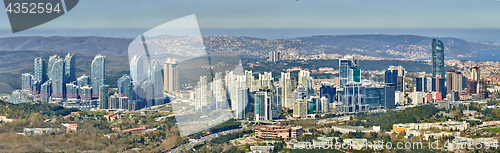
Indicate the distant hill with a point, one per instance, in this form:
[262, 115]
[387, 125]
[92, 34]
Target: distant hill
[395, 46]
[83, 45]
[454, 46]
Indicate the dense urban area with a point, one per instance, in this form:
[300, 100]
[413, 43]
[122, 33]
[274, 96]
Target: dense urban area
[287, 97]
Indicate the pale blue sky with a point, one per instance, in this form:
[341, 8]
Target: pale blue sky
[280, 14]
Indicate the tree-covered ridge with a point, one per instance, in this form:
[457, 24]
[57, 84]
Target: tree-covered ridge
[19, 111]
[409, 115]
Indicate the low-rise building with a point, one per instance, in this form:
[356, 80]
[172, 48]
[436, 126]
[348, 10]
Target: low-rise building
[450, 125]
[261, 149]
[265, 132]
[347, 129]
[69, 127]
[36, 131]
[4, 119]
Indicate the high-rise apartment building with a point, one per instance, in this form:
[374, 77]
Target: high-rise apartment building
[249, 79]
[58, 79]
[274, 56]
[137, 69]
[201, 98]
[26, 81]
[171, 74]
[156, 78]
[40, 73]
[103, 97]
[217, 91]
[70, 71]
[266, 79]
[52, 60]
[98, 75]
[286, 90]
[125, 92]
[45, 91]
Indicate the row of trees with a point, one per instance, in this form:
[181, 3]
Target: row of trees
[409, 115]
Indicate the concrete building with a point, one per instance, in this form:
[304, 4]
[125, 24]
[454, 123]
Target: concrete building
[300, 108]
[347, 129]
[354, 99]
[267, 132]
[171, 74]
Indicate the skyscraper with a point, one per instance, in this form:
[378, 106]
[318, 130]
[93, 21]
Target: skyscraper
[125, 92]
[249, 79]
[45, 91]
[236, 86]
[70, 71]
[201, 97]
[124, 86]
[40, 73]
[26, 79]
[454, 81]
[300, 108]
[266, 79]
[286, 91]
[354, 98]
[103, 97]
[328, 91]
[58, 79]
[242, 103]
[148, 94]
[97, 74]
[391, 76]
[262, 108]
[345, 72]
[217, 87]
[354, 74]
[274, 56]
[171, 74]
[157, 80]
[400, 70]
[52, 60]
[137, 69]
[437, 58]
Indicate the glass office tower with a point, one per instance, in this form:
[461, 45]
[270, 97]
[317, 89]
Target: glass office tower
[437, 58]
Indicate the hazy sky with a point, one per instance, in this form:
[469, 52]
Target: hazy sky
[102, 14]
[280, 14]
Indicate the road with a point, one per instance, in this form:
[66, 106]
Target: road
[207, 138]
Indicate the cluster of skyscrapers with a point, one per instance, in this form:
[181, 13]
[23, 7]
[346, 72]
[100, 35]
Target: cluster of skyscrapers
[56, 81]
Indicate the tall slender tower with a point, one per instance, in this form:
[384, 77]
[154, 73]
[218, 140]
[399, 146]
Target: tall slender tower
[52, 59]
[97, 74]
[40, 70]
[217, 87]
[286, 90]
[249, 79]
[58, 79]
[171, 74]
[157, 80]
[437, 58]
[137, 69]
[70, 71]
[103, 97]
